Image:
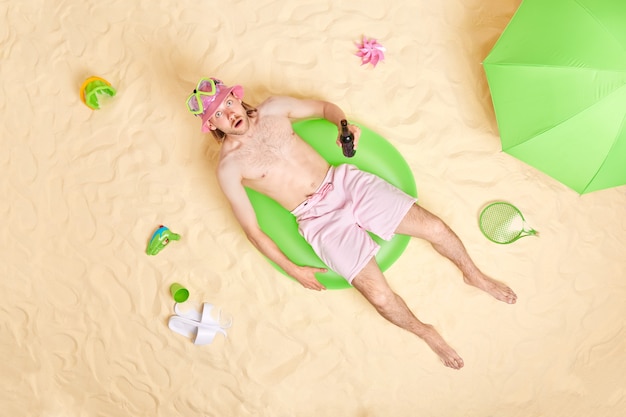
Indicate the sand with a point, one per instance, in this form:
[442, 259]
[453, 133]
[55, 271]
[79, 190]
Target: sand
[85, 310]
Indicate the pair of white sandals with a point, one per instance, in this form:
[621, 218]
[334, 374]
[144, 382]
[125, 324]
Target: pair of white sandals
[199, 326]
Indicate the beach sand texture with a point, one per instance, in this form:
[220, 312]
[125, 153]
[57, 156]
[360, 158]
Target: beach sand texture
[84, 312]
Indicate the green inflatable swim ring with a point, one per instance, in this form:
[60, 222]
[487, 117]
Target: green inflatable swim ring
[376, 155]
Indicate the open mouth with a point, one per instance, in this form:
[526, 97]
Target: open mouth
[238, 123]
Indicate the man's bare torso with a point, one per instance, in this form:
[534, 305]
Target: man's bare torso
[275, 161]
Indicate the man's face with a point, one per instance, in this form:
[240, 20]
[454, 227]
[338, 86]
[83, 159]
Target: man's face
[230, 117]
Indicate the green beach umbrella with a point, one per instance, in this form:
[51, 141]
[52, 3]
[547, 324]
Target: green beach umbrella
[557, 77]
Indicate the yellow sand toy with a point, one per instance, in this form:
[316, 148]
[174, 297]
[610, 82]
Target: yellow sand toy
[92, 88]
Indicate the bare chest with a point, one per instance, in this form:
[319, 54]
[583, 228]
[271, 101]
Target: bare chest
[270, 147]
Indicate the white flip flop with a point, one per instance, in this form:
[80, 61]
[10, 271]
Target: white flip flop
[201, 327]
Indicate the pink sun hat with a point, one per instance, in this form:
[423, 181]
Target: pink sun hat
[208, 96]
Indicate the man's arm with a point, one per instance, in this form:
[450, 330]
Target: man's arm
[230, 182]
[295, 108]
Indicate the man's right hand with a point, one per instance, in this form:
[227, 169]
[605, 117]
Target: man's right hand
[305, 275]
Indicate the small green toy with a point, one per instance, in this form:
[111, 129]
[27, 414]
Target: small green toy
[503, 223]
[160, 239]
[92, 88]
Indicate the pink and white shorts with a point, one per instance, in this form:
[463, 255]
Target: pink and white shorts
[349, 203]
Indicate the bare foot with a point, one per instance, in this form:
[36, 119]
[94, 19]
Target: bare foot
[448, 356]
[495, 288]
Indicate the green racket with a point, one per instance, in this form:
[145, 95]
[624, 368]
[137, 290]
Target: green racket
[503, 223]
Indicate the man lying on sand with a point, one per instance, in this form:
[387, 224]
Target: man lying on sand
[334, 206]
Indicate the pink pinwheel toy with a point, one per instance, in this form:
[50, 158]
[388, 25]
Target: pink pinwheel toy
[370, 51]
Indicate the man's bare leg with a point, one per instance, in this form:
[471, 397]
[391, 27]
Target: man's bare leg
[372, 284]
[420, 223]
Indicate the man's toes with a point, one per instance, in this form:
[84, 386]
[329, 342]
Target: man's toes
[454, 363]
